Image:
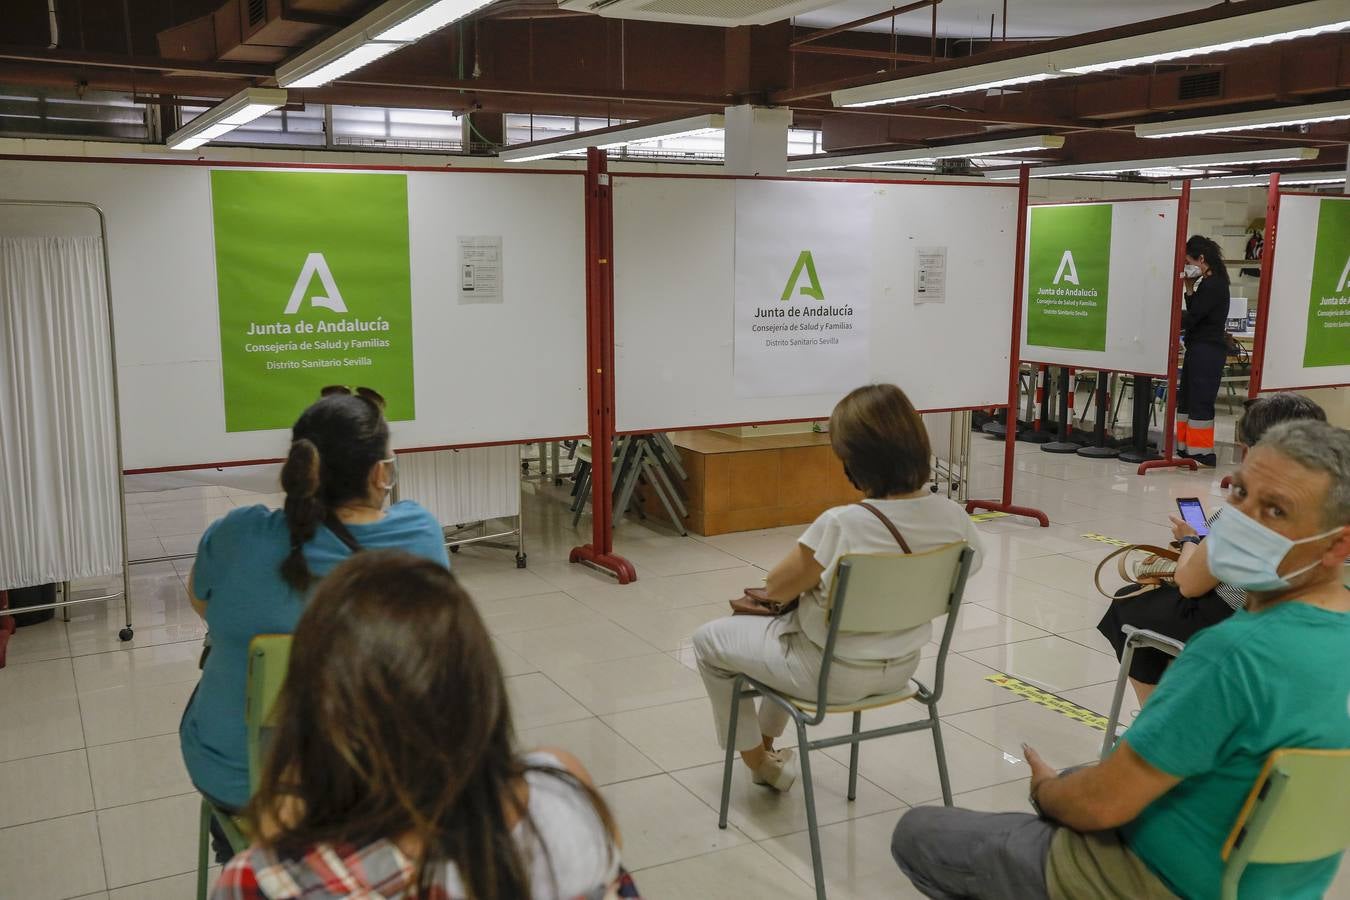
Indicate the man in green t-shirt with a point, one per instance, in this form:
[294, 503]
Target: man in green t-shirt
[1151, 820]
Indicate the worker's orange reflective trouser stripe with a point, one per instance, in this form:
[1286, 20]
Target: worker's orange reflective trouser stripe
[1200, 437]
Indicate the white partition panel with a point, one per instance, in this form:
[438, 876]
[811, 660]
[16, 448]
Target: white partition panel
[1297, 307]
[1139, 295]
[674, 299]
[484, 372]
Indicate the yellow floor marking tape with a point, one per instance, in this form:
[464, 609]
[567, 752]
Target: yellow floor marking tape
[986, 516]
[1103, 539]
[1049, 701]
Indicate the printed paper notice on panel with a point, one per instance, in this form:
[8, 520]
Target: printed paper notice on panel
[480, 269]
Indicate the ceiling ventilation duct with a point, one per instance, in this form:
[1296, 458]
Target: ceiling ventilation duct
[723, 13]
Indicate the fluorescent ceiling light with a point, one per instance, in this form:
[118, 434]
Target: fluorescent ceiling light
[225, 116]
[347, 61]
[388, 27]
[888, 158]
[1248, 121]
[414, 21]
[1283, 23]
[610, 138]
[1249, 181]
[1009, 73]
[1171, 166]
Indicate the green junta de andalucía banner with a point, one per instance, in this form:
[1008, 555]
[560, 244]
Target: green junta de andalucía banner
[1068, 270]
[1329, 304]
[315, 289]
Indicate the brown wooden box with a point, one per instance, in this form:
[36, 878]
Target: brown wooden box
[748, 483]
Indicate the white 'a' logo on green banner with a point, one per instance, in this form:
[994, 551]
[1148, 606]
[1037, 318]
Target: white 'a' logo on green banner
[1067, 271]
[331, 299]
[1345, 276]
[812, 288]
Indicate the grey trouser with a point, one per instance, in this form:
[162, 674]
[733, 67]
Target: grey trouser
[958, 853]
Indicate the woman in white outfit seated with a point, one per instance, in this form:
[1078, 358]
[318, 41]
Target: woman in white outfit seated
[884, 447]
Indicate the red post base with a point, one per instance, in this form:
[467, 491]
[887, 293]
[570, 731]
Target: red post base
[1226, 482]
[7, 626]
[1171, 462]
[998, 506]
[622, 568]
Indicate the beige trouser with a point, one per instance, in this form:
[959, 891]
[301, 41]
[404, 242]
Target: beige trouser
[773, 652]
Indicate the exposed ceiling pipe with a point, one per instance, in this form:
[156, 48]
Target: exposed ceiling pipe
[52, 24]
[101, 60]
[865, 20]
[862, 53]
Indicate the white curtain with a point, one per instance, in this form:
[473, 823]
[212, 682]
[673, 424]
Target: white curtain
[459, 486]
[59, 512]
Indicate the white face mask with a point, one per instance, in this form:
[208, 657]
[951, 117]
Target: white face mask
[1246, 554]
[1191, 271]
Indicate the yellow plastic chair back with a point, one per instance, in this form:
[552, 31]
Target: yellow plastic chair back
[896, 591]
[269, 655]
[1296, 812]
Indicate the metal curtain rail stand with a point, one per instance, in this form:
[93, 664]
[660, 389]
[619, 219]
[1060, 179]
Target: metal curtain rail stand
[126, 633]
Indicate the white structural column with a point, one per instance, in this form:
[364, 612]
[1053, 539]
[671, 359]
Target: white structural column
[756, 140]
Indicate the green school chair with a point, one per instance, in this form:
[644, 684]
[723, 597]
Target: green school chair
[1295, 813]
[268, 657]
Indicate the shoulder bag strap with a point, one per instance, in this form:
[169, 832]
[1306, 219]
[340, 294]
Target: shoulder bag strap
[343, 533]
[890, 526]
[1122, 555]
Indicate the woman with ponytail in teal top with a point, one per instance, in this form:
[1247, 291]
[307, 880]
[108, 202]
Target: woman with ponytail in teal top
[256, 567]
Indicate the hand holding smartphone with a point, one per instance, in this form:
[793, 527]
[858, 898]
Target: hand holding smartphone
[1193, 514]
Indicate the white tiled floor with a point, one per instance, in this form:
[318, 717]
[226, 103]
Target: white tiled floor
[94, 800]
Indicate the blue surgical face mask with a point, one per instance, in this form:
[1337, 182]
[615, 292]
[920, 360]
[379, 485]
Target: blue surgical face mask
[1246, 554]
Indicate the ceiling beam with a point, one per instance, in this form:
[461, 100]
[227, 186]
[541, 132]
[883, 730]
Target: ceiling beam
[1196, 19]
[865, 20]
[85, 59]
[861, 53]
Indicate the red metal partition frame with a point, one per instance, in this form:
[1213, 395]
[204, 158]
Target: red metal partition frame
[1183, 219]
[1263, 292]
[1014, 370]
[1254, 383]
[593, 553]
[600, 370]
[318, 167]
[1170, 460]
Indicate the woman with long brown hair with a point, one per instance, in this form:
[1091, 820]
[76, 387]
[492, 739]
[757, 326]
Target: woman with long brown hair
[393, 770]
[255, 568]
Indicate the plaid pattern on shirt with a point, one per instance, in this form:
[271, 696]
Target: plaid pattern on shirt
[377, 871]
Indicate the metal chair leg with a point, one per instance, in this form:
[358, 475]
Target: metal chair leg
[1118, 698]
[943, 778]
[731, 755]
[853, 756]
[812, 828]
[203, 849]
[583, 493]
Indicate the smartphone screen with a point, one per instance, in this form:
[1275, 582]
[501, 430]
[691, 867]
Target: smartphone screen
[1194, 514]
